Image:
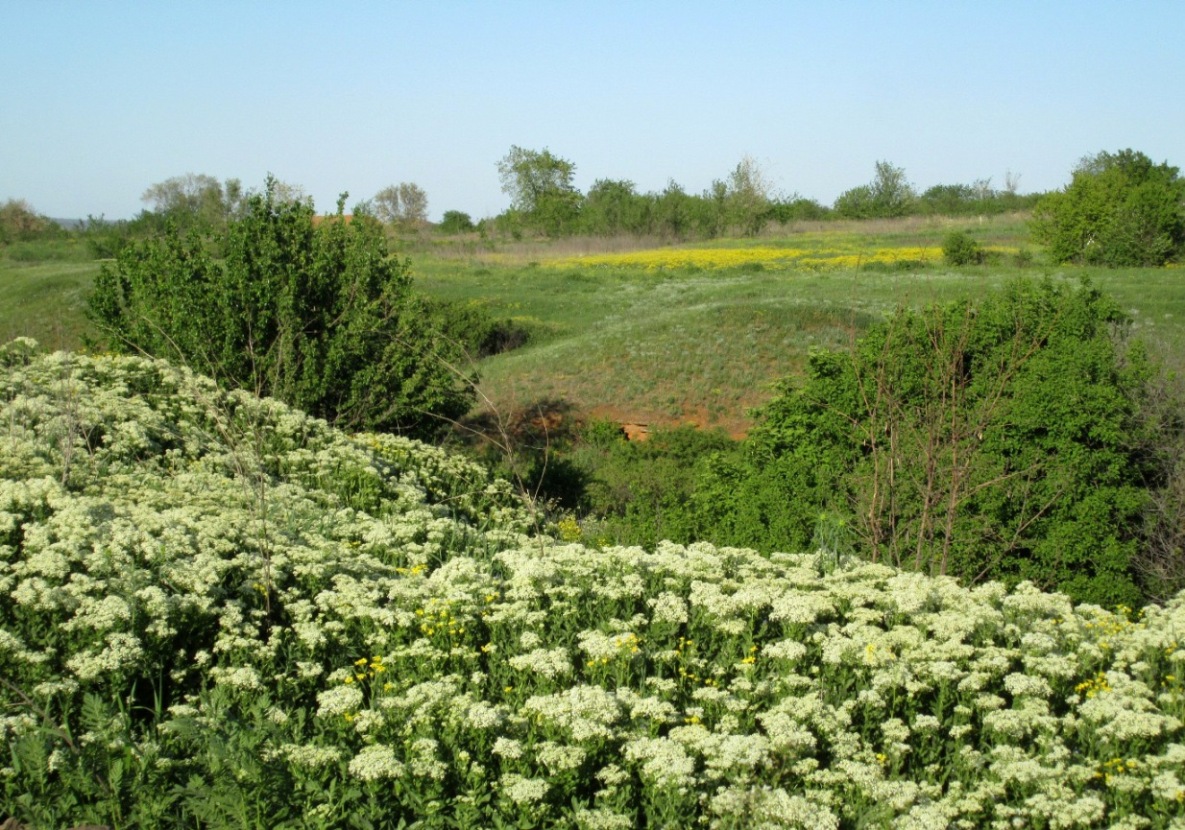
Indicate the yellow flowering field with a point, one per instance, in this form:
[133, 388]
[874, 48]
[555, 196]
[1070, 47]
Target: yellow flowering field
[711, 258]
[218, 612]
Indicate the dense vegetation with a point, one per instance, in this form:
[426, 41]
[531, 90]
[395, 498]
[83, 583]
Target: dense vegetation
[544, 199]
[1120, 209]
[222, 611]
[318, 316]
[225, 613]
[990, 440]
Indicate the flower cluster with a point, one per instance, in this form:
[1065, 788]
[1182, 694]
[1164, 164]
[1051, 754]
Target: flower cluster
[301, 624]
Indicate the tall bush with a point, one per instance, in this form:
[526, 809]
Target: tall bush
[1119, 210]
[321, 317]
[997, 440]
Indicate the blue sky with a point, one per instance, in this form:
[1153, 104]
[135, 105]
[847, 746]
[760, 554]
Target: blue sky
[103, 98]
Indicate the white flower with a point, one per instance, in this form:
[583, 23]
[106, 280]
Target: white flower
[339, 700]
[374, 762]
[523, 791]
[507, 748]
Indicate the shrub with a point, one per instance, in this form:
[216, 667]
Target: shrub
[318, 316]
[1119, 210]
[997, 440]
[478, 333]
[958, 248]
[455, 221]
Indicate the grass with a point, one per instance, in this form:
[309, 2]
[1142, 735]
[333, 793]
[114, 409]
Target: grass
[648, 332]
[623, 338]
[45, 300]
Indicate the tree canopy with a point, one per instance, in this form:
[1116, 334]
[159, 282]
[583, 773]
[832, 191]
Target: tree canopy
[1119, 210]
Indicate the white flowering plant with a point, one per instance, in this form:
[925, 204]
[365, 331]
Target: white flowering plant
[218, 612]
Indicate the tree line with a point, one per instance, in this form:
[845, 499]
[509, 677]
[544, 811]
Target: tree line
[545, 200]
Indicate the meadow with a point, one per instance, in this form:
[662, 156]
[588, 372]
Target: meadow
[695, 334]
[644, 332]
[225, 613]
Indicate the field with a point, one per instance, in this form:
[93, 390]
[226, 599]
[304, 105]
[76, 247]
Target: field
[640, 332]
[694, 334]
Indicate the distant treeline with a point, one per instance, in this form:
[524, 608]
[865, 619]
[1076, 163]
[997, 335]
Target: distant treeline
[545, 201]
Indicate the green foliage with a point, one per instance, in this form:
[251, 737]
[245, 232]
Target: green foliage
[614, 207]
[888, 195]
[795, 209]
[960, 248]
[197, 202]
[455, 221]
[1119, 210]
[541, 189]
[19, 222]
[471, 327]
[639, 492]
[320, 317]
[749, 191]
[997, 440]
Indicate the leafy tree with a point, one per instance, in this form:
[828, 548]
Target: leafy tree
[455, 221]
[673, 211]
[404, 204]
[1119, 210]
[749, 192]
[855, 203]
[990, 440]
[710, 211]
[195, 200]
[540, 188]
[795, 208]
[319, 316]
[20, 222]
[613, 207]
[889, 194]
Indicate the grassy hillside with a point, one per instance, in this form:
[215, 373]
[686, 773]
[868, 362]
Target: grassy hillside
[637, 331]
[695, 333]
[221, 613]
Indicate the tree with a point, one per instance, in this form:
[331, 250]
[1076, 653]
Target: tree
[673, 210]
[195, 200]
[613, 207]
[319, 316]
[991, 440]
[404, 204]
[1118, 210]
[19, 221]
[540, 188]
[455, 221]
[749, 192]
[888, 195]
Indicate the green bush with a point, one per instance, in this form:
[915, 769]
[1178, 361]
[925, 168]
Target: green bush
[455, 221]
[320, 317]
[472, 328]
[640, 491]
[997, 440]
[958, 248]
[1119, 210]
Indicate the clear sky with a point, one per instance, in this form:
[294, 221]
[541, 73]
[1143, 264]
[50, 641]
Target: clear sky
[102, 98]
